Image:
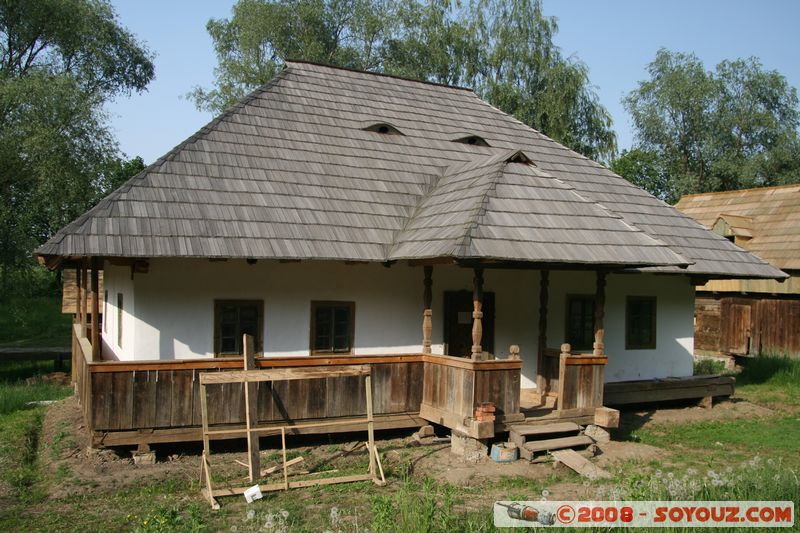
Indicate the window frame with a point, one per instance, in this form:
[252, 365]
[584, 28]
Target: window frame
[258, 341]
[569, 298]
[351, 307]
[653, 323]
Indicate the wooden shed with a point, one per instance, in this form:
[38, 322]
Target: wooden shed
[749, 317]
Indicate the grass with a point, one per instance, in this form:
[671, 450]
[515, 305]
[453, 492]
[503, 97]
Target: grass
[773, 381]
[33, 322]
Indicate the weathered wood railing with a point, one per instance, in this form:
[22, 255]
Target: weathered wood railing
[580, 380]
[132, 402]
[454, 387]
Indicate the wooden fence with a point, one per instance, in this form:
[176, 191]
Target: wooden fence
[747, 325]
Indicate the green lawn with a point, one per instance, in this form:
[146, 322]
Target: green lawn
[34, 322]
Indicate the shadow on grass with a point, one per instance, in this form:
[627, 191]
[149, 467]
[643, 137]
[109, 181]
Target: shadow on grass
[777, 370]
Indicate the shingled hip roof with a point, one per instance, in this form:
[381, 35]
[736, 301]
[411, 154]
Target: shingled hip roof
[294, 171]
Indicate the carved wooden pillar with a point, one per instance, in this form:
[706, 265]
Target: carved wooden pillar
[477, 314]
[427, 313]
[95, 312]
[599, 313]
[544, 297]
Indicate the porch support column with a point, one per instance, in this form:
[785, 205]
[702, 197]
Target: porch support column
[84, 297]
[78, 295]
[427, 313]
[544, 297]
[599, 313]
[95, 311]
[477, 314]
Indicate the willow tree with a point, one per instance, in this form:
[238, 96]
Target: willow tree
[502, 48]
[60, 60]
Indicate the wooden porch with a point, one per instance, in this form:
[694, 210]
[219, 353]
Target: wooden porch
[154, 401]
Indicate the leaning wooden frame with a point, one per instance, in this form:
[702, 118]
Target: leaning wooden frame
[249, 379]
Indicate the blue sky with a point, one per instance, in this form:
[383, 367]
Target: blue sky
[615, 38]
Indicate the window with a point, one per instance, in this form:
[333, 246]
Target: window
[332, 327]
[232, 320]
[119, 319]
[640, 323]
[383, 128]
[473, 140]
[580, 322]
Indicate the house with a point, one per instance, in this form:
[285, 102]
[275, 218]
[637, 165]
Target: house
[750, 317]
[340, 216]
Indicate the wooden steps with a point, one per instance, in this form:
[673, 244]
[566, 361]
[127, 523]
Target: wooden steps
[533, 439]
[547, 445]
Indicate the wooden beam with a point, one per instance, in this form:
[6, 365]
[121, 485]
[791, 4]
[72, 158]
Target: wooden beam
[427, 313]
[85, 299]
[599, 313]
[544, 297]
[477, 314]
[282, 374]
[562, 367]
[96, 347]
[251, 412]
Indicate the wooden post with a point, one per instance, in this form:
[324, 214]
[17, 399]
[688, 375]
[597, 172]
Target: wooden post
[96, 352]
[427, 313]
[566, 350]
[370, 423]
[204, 420]
[251, 412]
[85, 302]
[599, 313]
[513, 352]
[80, 300]
[544, 298]
[477, 314]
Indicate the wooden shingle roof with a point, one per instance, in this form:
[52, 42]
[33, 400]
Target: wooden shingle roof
[768, 219]
[292, 172]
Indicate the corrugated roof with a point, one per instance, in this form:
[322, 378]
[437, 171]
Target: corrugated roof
[291, 173]
[770, 215]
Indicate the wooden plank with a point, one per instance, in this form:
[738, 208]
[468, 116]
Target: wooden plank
[102, 393]
[181, 410]
[283, 374]
[121, 410]
[251, 412]
[580, 464]
[144, 400]
[262, 363]
[587, 360]
[555, 427]
[559, 443]
[164, 396]
[469, 364]
[238, 491]
[194, 434]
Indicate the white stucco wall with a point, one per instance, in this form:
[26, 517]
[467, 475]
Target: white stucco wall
[174, 309]
[117, 280]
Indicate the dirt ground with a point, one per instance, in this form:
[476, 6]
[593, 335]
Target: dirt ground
[72, 466]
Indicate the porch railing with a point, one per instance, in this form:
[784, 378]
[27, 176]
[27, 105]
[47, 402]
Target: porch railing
[131, 402]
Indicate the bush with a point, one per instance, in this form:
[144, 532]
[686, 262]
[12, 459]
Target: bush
[706, 366]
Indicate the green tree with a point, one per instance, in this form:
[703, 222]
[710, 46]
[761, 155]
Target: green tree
[644, 170]
[731, 128]
[502, 48]
[60, 60]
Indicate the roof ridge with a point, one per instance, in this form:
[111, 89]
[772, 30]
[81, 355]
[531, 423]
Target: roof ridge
[480, 209]
[382, 74]
[735, 191]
